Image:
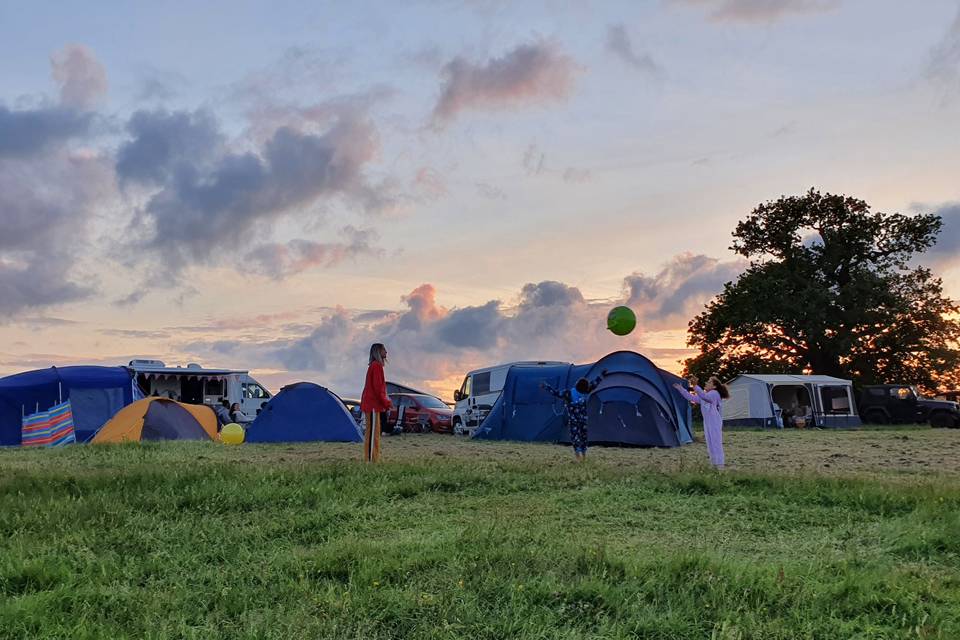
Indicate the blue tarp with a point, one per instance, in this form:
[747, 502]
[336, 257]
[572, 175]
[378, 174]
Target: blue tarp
[634, 404]
[95, 393]
[304, 412]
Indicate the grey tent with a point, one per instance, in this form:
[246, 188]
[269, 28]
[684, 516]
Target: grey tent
[767, 400]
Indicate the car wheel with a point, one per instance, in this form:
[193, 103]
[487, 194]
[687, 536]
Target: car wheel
[876, 417]
[941, 420]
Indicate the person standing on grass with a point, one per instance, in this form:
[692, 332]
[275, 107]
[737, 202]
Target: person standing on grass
[374, 402]
[711, 406]
[575, 401]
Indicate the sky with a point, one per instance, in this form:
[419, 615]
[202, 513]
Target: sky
[274, 186]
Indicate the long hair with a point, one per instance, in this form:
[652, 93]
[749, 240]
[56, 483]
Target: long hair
[376, 353]
[720, 387]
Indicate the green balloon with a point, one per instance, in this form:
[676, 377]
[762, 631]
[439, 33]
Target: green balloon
[621, 320]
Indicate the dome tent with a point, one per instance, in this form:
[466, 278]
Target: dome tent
[159, 419]
[633, 405]
[304, 412]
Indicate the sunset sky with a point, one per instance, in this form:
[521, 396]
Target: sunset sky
[272, 186]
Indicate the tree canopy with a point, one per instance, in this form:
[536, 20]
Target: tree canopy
[832, 288]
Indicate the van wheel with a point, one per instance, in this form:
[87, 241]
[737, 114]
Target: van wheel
[876, 417]
[941, 420]
[457, 426]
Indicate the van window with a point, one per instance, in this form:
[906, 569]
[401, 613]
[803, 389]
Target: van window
[481, 383]
[465, 388]
[901, 393]
[255, 391]
[213, 388]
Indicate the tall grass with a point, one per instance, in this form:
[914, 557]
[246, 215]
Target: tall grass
[182, 541]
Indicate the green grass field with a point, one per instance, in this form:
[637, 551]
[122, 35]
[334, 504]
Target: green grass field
[810, 534]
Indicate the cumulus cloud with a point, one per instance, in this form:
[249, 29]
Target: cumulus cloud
[528, 74]
[278, 261]
[32, 131]
[759, 11]
[430, 344]
[47, 203]
[679, 290]
[50, 189]
[81, 77]
[209, 198]
[946, 253]
[619, 43]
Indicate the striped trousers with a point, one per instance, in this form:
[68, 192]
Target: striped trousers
[371, 437]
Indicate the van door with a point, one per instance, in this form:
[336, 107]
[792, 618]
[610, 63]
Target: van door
[462, 405]
[254, 397]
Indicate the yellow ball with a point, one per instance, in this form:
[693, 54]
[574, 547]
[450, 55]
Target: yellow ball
[232, 433]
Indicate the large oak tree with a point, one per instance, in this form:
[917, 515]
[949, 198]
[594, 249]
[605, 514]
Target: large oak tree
[832, 288]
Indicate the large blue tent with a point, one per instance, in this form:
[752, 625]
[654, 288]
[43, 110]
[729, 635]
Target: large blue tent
[95, 394]
[304, 412]
[634, 404]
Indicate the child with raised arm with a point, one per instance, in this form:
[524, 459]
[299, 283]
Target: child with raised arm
[575, 402]
[711, 406]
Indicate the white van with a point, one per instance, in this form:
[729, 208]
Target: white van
[194, 384]
[480, 391]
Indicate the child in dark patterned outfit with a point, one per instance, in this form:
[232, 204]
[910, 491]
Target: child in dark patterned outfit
[575, 401]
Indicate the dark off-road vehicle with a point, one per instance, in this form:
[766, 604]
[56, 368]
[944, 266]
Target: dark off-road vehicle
[903, 404]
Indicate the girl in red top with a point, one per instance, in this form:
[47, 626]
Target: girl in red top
[373, 402]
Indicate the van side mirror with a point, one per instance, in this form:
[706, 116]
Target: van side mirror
[458, 395]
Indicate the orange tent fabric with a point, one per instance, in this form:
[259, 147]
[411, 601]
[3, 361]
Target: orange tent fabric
[159, 419]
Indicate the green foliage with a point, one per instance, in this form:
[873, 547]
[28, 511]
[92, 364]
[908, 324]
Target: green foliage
[171, 541]
[831, 289]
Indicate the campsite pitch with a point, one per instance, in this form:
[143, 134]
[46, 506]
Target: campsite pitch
[812, 534]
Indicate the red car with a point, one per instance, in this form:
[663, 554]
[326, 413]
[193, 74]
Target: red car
[421, 413]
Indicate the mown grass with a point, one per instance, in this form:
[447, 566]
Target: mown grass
[192, 541]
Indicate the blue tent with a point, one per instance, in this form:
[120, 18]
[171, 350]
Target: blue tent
[304, 412]
[95, 393]
[634, 404]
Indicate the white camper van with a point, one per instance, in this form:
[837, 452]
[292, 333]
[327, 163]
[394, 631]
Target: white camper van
[479, 392]
[196, 385]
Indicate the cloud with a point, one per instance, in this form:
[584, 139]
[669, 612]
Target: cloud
[619, 43]
[946, 253]
[679, 290]
[33, 131]
[47, 202]
[210, 199]
[944, 63]
[431, 344]
[759, 11]
[528, 74]
[82, 79]
[164, 143]
[279, 261]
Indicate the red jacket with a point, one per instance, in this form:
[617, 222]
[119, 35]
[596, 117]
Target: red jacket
[374, 396]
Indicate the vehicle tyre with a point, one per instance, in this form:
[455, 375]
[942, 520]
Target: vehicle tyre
[876, 417]
[941, 420]
[457, 426]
